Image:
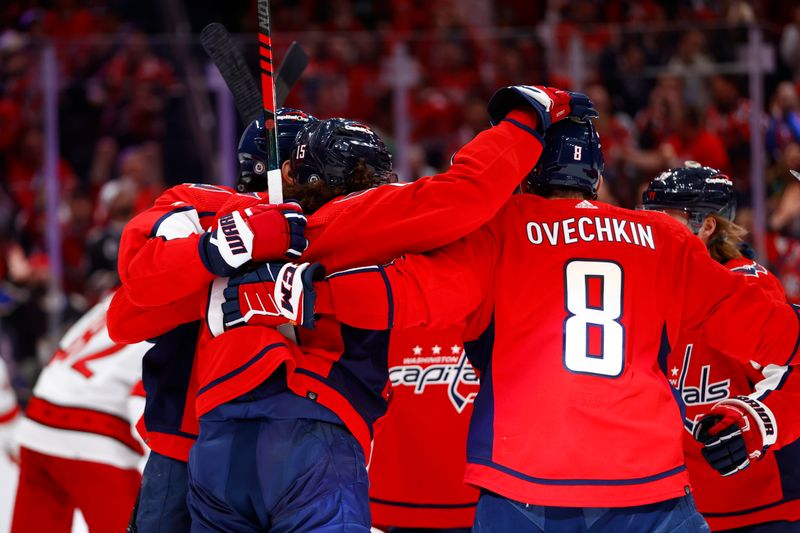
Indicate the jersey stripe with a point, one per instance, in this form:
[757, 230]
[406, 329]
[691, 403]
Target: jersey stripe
[82, 419]
[546, 481]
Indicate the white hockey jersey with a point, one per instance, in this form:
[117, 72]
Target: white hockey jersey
[85, 400]
[9, 411]
[8, 400]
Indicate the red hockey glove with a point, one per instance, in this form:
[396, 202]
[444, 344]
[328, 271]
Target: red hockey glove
[735, 431]
[245, 300]
[271, 295]
[258, 233]
[549, 103]
[295, 294]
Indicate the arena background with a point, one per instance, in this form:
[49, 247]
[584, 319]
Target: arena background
[104, 103]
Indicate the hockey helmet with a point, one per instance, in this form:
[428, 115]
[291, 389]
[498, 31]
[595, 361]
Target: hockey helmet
[330, 150]
[697, 190]
[571, 158]
[253, 146]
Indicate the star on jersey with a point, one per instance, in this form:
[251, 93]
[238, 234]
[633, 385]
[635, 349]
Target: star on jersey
[436, 350]
[455, 349]
[674, 371]
[417, 350]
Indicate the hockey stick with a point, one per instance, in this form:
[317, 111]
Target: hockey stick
[274, 182]
[294, 63]
[230, 62]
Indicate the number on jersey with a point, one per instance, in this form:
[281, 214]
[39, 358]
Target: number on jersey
[594, 337]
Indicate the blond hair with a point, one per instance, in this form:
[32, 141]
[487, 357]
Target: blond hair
[724, 244]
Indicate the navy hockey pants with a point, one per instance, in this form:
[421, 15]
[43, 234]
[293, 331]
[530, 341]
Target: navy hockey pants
[496, 514]
[162, 498]
[280, 475]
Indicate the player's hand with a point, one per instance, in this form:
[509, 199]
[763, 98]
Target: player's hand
[259, 233]
[735, 431]
[295, 294]
[245, 300]
[550, 104]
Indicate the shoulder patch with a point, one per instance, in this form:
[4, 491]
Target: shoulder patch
[753, 269]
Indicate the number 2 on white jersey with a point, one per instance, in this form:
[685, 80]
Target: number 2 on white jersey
[593, 298]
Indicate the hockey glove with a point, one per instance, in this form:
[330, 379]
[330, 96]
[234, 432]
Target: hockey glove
[295, 294]
[259, 233]
[735, 431]
[549, 103]
[245, 300]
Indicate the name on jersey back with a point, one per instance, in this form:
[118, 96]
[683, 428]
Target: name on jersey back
[589, 229]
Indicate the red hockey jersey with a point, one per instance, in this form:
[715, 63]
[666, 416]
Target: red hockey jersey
[419, 452]
[769, 489]
[164, 284]
[374, 225]
[579, 303]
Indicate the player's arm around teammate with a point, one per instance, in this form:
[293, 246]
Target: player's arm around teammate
[536, 316]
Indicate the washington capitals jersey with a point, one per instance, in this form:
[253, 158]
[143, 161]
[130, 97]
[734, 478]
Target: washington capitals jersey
[339, 367]
[769, 489]
[419, 452]
[82, 401]
[580, 303]
[164, 286]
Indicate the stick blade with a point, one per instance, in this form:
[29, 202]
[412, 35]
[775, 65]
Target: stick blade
[291, 69]
[230, 62]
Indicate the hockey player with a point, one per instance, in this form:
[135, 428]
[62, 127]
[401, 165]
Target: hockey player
[375, 225]
[767, 493]
[77, 447]
[418, 454]
[166, 255]
[575, 426]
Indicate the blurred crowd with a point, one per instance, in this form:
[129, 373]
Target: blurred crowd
[668, 78]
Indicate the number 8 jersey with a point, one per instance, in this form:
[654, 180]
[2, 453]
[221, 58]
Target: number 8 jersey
[578, 303]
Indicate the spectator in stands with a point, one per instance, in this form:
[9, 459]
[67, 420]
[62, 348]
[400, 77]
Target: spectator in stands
[784, 121]
[693, 64]
[141, 165]
[790, 44]
[616, 138]
[115, 207]
[693, 141]
[133, 88]
[621, 69]
[729, 117]
[785, 192]
[657, 120]
[690, 141]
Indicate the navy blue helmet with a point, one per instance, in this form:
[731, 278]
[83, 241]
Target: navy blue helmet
[699, 191]
[571, 158]
[253, 145]
[330, 150]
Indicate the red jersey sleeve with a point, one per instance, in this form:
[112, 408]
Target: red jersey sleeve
[738, 318]
[159, 258]
[776, 386]
[128, 323]
[435, 289]
[377, 225]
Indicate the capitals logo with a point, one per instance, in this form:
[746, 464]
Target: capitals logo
[753, 269]
[707, 391]
[452, 371]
